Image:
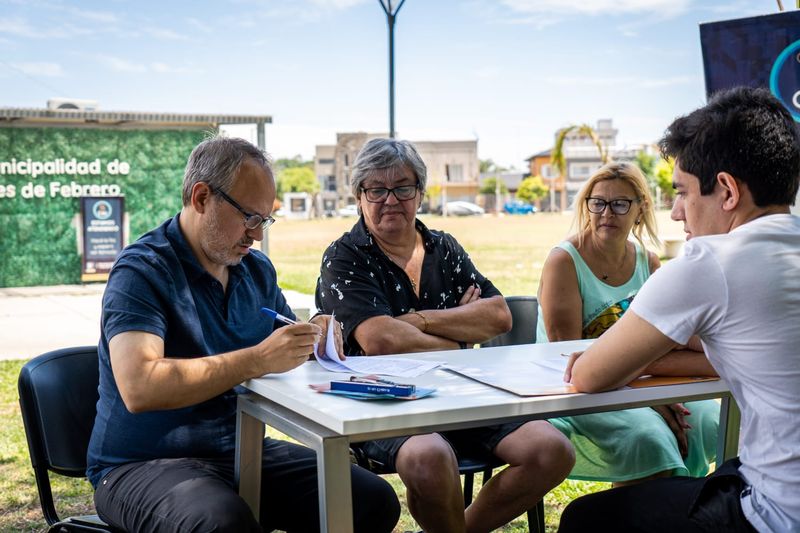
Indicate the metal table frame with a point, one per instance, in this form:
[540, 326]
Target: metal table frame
[286, 404]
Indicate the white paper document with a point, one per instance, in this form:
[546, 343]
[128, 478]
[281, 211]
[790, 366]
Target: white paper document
[540, 377]
[381, 365]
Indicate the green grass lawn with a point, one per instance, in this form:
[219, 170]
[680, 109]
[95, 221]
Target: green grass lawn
[508, 250]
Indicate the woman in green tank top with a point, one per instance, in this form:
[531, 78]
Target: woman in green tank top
[587, 284]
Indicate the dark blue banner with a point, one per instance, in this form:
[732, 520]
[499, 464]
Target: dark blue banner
[757, 52]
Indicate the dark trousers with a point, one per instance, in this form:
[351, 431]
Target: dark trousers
[682, 504]
[197, 495]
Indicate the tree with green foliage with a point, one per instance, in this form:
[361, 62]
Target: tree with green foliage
[490, 186]
[531, 189]
[297, 179]
[647, 164]
[292, 162]
[487, 165]
[662, 174]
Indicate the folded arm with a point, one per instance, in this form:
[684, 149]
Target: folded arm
[681, 363]
[476, 320]
[631, 348]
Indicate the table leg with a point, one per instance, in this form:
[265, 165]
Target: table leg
[335, 492]
[247, 465]
[729, 421]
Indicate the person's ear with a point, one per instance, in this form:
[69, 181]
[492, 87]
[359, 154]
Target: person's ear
[731, 190]
[201, 196]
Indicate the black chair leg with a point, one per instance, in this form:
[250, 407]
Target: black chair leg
[536, 518]
[535, 515]
[469, 483]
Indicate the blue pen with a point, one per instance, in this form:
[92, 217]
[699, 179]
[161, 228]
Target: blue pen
[277, 316]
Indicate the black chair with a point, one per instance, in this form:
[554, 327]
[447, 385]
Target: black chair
[58, 397]
[524, 311]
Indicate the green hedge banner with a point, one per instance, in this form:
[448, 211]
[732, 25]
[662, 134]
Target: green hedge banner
[45, 171]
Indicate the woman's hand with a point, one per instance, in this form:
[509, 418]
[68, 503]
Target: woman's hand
[675, 416]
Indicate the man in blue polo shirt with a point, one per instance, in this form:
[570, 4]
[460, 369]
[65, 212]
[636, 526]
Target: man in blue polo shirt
[180, 330]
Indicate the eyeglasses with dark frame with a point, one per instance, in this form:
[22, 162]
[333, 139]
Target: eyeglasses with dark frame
[403, 193]
[251, 220]
[620, 206]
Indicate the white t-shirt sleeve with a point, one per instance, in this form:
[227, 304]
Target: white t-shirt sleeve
[686, 296]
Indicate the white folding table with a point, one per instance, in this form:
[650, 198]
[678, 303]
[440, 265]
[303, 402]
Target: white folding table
[329, 423]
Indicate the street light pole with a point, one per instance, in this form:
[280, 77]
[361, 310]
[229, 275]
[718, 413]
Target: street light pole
[391, 15]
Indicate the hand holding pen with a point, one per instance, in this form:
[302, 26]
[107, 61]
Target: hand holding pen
[323, 322]
[284, 349]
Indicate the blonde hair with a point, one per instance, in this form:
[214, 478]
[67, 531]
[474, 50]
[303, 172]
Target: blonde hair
[630, 174]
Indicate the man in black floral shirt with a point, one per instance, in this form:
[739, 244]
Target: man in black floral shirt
[398, 287]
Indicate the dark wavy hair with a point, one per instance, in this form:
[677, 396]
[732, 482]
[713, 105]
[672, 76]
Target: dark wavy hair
[745, 132]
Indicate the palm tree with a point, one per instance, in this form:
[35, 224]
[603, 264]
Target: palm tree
[557, 156]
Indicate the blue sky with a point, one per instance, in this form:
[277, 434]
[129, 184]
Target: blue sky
[507, 72]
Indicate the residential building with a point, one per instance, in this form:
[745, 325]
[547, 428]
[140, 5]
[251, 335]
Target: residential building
[582, 158]
[539, 164]
[453, 169]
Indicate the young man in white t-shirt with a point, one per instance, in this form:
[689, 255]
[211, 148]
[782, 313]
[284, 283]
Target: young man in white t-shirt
[737, 287]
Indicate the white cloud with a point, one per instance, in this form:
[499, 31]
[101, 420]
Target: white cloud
[295, 13]
[539, 22]
[342, 4]
[165, 34]
[163, 68]
[20, 27]
[51, 70]
[200, 25]
[738, 8]
[655, 82]
[94, 16]
[614, 81]
[121, 65]
[597, 7]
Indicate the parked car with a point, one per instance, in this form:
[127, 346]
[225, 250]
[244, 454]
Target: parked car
[460, 208]
[518, 207]
[348, 211]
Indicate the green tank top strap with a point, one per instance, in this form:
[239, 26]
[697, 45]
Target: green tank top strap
[603, 304]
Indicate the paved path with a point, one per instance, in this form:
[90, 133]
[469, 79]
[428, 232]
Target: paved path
[35, 320]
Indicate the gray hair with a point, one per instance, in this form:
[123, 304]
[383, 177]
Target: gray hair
[216, 161]
[381, 154]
